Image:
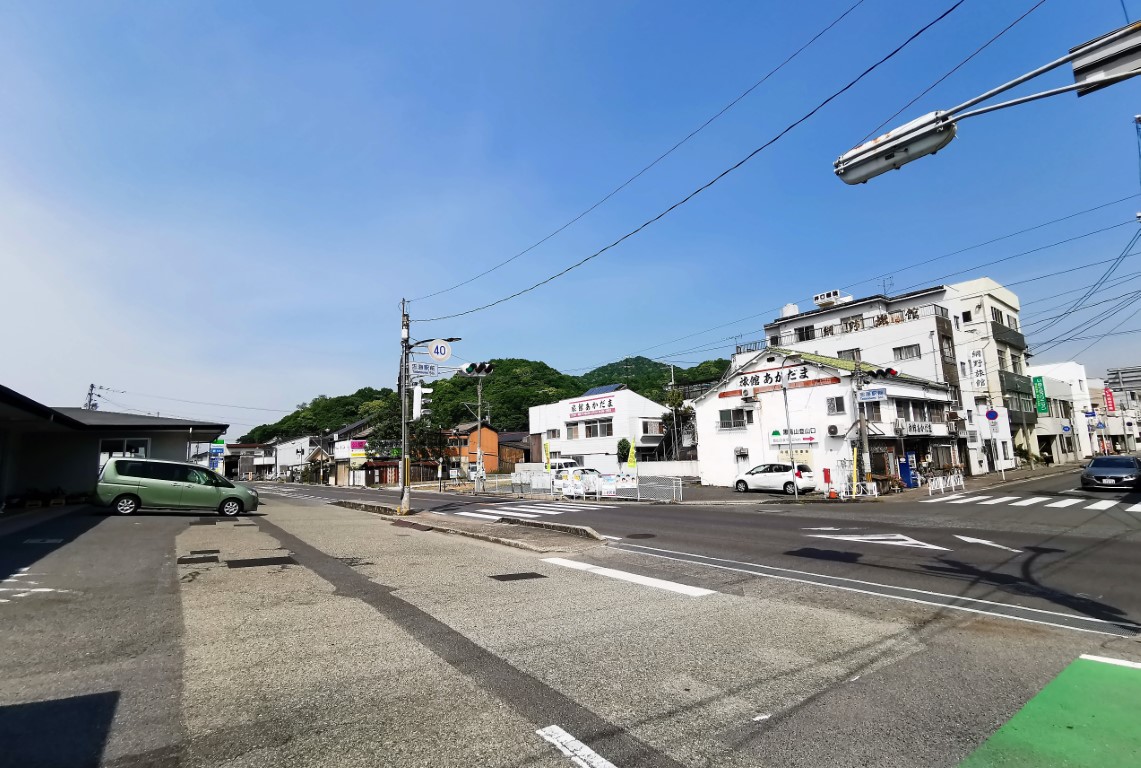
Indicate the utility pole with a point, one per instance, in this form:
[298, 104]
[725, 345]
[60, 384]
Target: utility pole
[788, 426]
[91, 405]
[673, 410]
[405, 487]
[857, 385]
[479, 435]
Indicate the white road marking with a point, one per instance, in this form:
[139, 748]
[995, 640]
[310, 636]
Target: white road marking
[479, 515]
[969, 499]
[516, 514]
[579, 753]
[652, 552]
[971, 540]
[1031, 500]
[536, 509]
[612, 538]
[825, 528]
[759, 718]
[24, 591]
[1000, 500]
[1065, 503]
[894, 539]
[634, 578]
[1098, 505]
[940, 498]
[1134, 508]
[1108, 660]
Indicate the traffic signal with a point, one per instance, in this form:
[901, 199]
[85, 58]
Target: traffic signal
[883, 373]
[421, 401]
[478, 369]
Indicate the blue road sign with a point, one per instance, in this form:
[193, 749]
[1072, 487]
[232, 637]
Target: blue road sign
[1065, 428]
[1101, 425]
[992, 414]
[1090, 414]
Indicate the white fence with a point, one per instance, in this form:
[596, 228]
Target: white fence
[537, 485]
[946, 483]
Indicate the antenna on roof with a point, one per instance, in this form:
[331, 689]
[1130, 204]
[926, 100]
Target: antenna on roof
[887, 284]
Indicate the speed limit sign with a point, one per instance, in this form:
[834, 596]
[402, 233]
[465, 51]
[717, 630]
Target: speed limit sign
[440, 350]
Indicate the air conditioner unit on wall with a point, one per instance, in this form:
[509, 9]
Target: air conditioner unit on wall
[739, 451]
[833, 430]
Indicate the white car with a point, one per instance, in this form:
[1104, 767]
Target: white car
[777, 477]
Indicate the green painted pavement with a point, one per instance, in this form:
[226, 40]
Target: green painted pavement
[1089, 715]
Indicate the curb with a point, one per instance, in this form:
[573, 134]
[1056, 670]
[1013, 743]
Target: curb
[584, 531]
[403, 521]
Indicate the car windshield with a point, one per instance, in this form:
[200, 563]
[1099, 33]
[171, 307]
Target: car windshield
[804, 467]
[1114, 462]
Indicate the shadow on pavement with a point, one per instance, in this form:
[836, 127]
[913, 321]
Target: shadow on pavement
[20, 549]
[60, 733]
[1023, 583]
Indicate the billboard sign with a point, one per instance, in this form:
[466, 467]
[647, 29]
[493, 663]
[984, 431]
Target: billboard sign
[1110, 404]
[871, 395]
[1040, 403]
[423, 369]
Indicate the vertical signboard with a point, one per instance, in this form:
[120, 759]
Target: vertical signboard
[1110, 404]
[1040, 403]
[978, 370]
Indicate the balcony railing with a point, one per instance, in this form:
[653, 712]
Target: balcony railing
[728, 425]
[857, 323]
[1007, 336]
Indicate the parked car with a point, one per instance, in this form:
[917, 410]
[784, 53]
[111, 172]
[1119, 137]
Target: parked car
[777, 477]
[1112, 472]
[128, 485]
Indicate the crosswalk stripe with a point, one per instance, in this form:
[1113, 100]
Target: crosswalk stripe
[516, 514]
[565, 506]
[1065, 503]
[1031, 500]
[1097, 505]
[940, 498]
[969, 499]
[540, 510]
[1000, 500]
[479, 515]
[1134, 508]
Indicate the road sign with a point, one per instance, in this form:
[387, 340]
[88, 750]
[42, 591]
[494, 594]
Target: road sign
[871, 395]
[1065, 428]
[1101, 425]
[440, 350]
[992, 415]
[1090, 414]
[423, 369]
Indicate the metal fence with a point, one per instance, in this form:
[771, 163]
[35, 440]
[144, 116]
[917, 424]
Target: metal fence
[538, 485]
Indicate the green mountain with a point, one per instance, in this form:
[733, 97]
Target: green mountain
[515, 386]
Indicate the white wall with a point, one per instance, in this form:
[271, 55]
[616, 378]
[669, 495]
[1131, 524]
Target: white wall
[668, 469]
[287, 457]
[628, 410]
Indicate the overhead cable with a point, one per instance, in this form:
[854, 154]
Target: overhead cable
[657, 160]
[712, 181]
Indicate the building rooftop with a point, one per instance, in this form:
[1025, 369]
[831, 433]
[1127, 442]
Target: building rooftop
[856, 302]
[110, 420]
[603, 389]
[513, 437]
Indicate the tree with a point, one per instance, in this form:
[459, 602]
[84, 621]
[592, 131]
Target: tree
[623, 451]
[678, 423]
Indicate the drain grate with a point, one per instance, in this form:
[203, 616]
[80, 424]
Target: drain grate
[518, 576]
[641, 535]
[255, 562]
[191, 560]
[203, 522]
[245, 525]
[205, 551]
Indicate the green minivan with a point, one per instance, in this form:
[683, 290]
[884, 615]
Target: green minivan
[127, 485]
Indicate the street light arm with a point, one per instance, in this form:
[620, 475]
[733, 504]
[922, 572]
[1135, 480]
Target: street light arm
[1045, 94]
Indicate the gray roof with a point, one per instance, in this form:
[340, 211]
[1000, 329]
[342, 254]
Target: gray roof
[513, 437]
[603, 389]
[111, 420]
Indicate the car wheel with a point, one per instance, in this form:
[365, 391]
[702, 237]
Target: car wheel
[742, 486]
[230, 508]
[789, 488]
[126, 505]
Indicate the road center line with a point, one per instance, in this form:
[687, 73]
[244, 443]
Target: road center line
[647, 581]
[651, 551]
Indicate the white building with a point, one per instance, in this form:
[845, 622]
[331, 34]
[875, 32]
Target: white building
[963, 336]
[588, 428]
[291, 455]
[1073, 376]
[742, 421]
[1114, 427]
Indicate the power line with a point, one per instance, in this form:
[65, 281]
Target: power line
[106, 399]
[955, 69]
[200, 402]
[661, 157]
[1025, 326]
[712, 181]
[1102, 336]
[1049, 344]
[1113, 283]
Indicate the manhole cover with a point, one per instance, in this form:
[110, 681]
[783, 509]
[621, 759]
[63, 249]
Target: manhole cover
[518, 576]
[641, 536]
[259, 561]
[191, 560]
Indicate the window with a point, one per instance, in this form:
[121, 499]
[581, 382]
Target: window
[936, 412]
[873, 412]
[996, 315]
[1016, 362]
[774, 341]
[135, 447]
[1005, 450]
[1012, 321]
[806, 333]
[553, 434]
[653, 427]
[903, 410]
[956, 322]
[572, 431]
[736, 418]
[1002, 360]
[907, 353]
[963, 367]
[600, 428]
[835, 405]
[849, 354]
[970, 416]
[947, 346]
[966, 316]
[956, 395]
[131, 468]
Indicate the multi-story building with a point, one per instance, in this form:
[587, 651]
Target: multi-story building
[744, 422]
[1073, 376]
[1113, 428]
[1126, 383]
[588, 428]
[465, 441]
[962, 336]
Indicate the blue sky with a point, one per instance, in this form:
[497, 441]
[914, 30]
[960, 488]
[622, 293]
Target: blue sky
[226, 202]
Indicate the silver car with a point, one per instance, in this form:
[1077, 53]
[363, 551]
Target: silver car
[1112, 472]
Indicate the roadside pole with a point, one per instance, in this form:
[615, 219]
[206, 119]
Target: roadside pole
[857, 385]
[788, 426]
[405, 487]
[479, 435]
